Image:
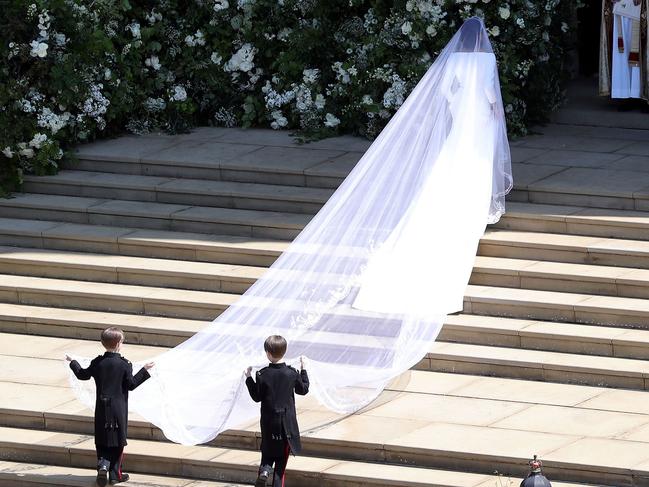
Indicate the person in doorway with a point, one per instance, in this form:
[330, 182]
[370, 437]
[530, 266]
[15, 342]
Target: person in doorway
[624, 42]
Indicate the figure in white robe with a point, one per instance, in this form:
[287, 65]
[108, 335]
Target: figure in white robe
[623, 49]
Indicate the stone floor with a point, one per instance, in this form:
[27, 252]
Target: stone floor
[584, 151]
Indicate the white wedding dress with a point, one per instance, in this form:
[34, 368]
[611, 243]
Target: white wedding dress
[364, 289]
[424, 265]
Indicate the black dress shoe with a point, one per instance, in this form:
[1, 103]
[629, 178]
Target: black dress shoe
[123, 478]
[262, 478]
[102, 475]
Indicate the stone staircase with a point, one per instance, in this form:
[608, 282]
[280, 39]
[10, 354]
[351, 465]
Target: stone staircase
[158, 235]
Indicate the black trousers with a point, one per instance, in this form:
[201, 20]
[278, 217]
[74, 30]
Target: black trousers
[112, 455]
[279, 464]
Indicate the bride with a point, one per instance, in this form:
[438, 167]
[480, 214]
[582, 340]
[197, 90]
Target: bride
[364, 289]
[429, 251]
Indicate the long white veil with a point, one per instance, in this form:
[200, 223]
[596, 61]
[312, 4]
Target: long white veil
[363, 291]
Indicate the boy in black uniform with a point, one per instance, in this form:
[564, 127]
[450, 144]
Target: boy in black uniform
[114, 377]
[274, 388]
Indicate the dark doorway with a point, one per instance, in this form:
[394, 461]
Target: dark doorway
[590, 18]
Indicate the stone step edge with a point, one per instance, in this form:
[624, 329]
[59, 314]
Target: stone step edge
[479, 300]
[239, 190]
[580, 216]
[22, 474]
[94, 206]
[620, 281]
[462, 328]
[127, 237]
[461, 358]
[234, 466]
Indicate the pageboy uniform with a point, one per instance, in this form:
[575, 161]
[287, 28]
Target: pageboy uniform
[114, 378]
[275, 387]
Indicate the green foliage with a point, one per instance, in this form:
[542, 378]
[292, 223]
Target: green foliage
[76, 70]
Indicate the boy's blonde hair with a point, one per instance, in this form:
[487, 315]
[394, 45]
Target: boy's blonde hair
[111, 337]
[275, 345]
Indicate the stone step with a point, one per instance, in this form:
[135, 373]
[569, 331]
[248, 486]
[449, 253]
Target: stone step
[261, 224]
[117, 269]
[73, 451]
[277, 225]
[558, 247]
[241, 250]
[22, 474]
[479, 423]
[462, 328]
[378, 474]
[245, 156]
[196, 247]
[190, 192]
[541, 365]
[576, 220]
[121, 298]
[228, 278]
[561, 277]
[556, 306]
[158, 216]
[608, 371]
[156, 301]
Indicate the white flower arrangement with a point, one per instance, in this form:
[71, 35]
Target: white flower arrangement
[221, 5]
[196, 39]
[379, 54]
[153, 62]
[134, 28]
[331, 121]
[37, 141]
[310, 75]
[179, 93]
[279, 120]
[39, 49]
[242, 60]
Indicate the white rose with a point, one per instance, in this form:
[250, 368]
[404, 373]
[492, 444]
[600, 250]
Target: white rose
[331, 120]
[180, 94]
[7, 152]
[495, 31]
[406, 28]
[279, 120]
[39, 49]
[153, 62]
[107, 74]
[367, 100]
[37, 141]
[28, 153]
[310, 75]
[504, 12]
[221, 5]
[216, 58]
[520, 22]
[60, 39]
[431, 31]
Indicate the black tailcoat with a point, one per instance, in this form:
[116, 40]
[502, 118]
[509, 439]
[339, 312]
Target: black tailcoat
[274, 388]
[114, 377]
